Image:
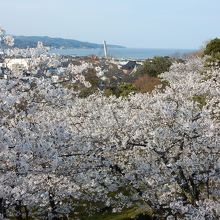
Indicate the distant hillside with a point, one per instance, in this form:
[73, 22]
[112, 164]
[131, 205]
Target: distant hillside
[31, 41]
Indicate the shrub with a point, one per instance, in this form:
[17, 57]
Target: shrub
[126, 88]
[146, 83]
[213, 48]
[154, 67]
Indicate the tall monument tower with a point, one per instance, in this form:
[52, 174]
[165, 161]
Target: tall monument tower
[105, 49]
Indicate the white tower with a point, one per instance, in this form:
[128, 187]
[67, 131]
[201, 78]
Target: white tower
[105, 49]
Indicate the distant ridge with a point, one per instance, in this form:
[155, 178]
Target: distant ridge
[31, 41]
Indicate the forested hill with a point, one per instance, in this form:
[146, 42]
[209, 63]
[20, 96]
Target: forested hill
[31, 41]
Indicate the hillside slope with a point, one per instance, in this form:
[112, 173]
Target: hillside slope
[31, 41]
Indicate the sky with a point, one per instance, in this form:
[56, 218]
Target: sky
[182, 24]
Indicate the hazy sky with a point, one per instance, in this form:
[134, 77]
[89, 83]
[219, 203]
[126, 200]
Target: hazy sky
[132, 23]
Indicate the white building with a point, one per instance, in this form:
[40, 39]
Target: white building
[17, 64]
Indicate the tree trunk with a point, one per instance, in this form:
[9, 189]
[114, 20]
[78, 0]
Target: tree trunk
[53, 206]
[18, 210]
[26, 213]
[2, 207]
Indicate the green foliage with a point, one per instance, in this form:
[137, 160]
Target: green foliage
[213, 51]
[154, 67]
[126, 88]
[126, 214]
[213, 48]
[108, 92]
[85, 92]
[201, 100]
[213, 61]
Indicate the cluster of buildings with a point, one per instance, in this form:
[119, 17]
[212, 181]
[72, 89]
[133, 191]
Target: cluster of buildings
[106, 72]
[56, 68]
[21, 65]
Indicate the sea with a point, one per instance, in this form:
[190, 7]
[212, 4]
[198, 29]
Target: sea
[125, 53]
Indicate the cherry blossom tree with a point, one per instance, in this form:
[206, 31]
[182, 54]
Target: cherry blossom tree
[5, 40]
[159, 151]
